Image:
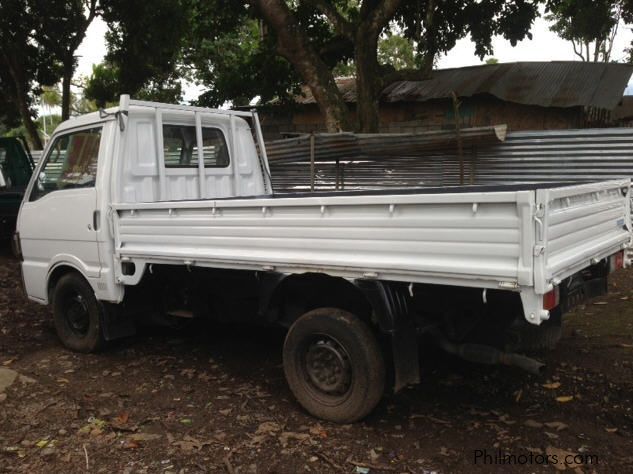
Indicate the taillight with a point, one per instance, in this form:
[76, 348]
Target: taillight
[551, 299]
[616, 261]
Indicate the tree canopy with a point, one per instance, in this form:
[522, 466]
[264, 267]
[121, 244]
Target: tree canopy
[590, 25]
[39, 39]
[241, 49]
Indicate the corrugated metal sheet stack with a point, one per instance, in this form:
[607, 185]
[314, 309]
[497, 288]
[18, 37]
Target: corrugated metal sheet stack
[391, 161]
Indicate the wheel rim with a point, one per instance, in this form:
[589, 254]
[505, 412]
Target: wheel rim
[77, 314]
[327, 369]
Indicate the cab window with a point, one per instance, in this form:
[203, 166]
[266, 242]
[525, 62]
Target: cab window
[181, 149]
[71, 163]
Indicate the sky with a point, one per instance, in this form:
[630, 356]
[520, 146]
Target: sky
[544, 46]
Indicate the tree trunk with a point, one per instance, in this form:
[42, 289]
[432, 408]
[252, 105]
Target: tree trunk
[67, 77]
[368, 82]
[295, 47]
[27, 120]
[369, 79]
[21, 98]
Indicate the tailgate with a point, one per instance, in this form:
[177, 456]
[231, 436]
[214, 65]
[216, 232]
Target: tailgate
[578, 225]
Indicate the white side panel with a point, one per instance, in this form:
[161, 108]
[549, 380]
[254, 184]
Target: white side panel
[475, 237]
[140, 167]
[582, 224]
[143, 178]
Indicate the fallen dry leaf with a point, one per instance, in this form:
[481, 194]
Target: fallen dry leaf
[189, 443]
[557, 425]
[286, 436]
[533, 424]
[317, 430]
[143, 436]
[564, 398]
[268, 427]
[122, 418]
[130, 444]
[561, 455]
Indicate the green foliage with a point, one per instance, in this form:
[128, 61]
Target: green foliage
[437, 31]
[238, 66]
[590, 25]
[51, 96]
[9, 113]
[25, 64]
[103, 84]
[394, 50]
[224, 46]
[144, 40]
[397, 51]
[63, 25]
[583, 20]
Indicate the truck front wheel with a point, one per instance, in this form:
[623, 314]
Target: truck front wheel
[334, 365]
[77, 314]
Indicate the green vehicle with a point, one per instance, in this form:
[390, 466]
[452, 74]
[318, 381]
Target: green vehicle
[16, 167]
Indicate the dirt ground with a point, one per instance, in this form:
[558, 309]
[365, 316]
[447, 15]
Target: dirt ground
[215, 400]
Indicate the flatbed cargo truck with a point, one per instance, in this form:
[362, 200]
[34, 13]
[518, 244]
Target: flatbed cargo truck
[169, 208]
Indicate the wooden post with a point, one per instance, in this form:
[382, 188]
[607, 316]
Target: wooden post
[312, 162]
[473, 165]
[460, 150]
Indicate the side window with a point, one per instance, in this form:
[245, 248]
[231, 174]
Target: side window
[70, 163]
[4, 167]
[181, 149]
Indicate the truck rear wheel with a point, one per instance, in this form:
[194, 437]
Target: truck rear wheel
[77, 314]
[334, 365]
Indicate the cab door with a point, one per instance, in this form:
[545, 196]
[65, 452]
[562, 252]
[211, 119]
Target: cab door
[58, 217]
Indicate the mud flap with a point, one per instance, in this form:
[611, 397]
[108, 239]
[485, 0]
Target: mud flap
[406, 361]
[389, 304]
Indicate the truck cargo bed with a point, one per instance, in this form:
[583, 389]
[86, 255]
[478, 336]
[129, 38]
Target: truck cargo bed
[491, 237]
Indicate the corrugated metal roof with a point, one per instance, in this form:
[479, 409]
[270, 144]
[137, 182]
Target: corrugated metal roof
[548, 84]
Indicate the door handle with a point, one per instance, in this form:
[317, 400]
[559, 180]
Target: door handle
[95, 221]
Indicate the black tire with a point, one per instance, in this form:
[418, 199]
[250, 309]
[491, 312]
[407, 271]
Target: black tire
[77, 314]
[544, 337]
[334, 365]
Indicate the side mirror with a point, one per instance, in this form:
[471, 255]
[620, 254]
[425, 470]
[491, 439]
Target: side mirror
[41, 179]
[3, 182]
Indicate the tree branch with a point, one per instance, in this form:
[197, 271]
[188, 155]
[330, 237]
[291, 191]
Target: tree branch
[343, 26]
[335, 46]
[293, 44]
[576, 52]
[92, 11]
[380, 16]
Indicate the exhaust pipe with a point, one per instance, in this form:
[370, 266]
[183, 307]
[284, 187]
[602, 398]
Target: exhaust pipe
[489, 355]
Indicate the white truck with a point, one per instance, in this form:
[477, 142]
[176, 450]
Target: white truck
[169, 208]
